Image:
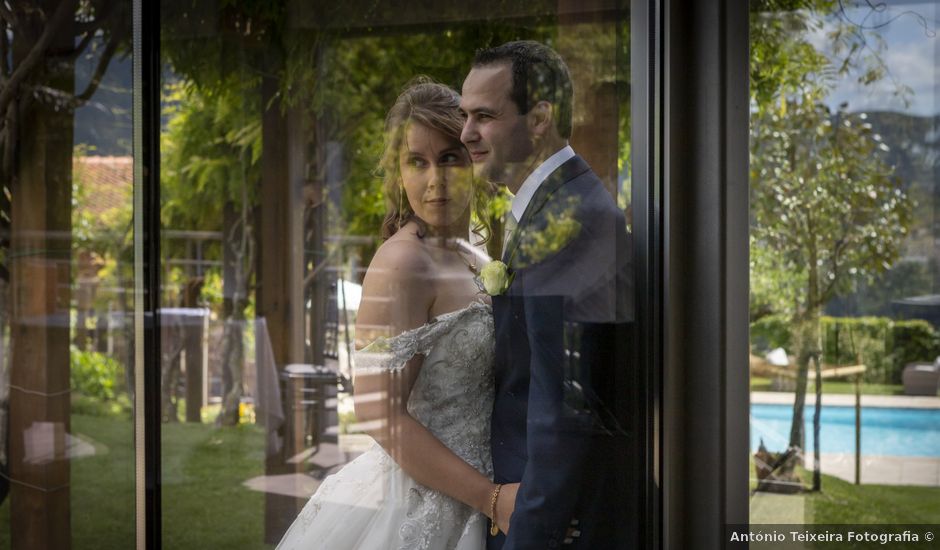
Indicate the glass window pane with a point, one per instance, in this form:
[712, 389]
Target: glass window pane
[845, 414]
[327, 194]
[66, 276]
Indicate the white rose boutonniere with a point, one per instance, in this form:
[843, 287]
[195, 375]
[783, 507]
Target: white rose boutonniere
[495, 278]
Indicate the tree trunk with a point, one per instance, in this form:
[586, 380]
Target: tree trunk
[804, 355]
[808, 342]
[236, 260]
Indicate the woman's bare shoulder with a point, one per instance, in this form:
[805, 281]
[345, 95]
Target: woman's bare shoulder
[396, 295]
[404, 253]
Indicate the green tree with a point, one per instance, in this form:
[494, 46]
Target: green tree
[338, 77]
[826, 209]
[211, 151]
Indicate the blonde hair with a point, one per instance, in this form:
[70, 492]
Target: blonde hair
[434, 106]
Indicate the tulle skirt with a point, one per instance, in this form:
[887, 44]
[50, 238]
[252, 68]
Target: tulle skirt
[371, 504]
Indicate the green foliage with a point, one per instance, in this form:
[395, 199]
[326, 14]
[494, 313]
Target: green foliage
[95, 374]
[211, 153]
[910, 342]
[883, 345]
[102, 236]
[211, 158]
[826, 212]
[340, 84]
[98, 384]
[904, 279]
[783, 61]
[787, 63]
[769, 333]
[358, 81]
[858, 340]
[825, 206]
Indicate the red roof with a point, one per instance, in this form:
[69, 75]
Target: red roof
[108, 182]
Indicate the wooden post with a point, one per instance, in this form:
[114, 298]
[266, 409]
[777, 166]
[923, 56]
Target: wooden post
[40, 255]
[193, 338]
[596, 108]
[280, 265]
[855, 371]
[817, 481]
[858, 429]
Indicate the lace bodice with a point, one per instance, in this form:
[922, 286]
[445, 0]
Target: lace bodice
[453, 394]
[371, 503]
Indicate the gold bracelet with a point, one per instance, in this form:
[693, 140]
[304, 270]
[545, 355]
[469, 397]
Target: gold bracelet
[494, 530]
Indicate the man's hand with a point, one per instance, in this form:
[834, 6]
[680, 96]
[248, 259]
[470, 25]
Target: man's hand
[505, 505]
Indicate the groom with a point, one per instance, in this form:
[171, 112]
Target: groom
[559, 418]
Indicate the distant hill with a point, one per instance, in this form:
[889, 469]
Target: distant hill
[914, 151]
[105, 124]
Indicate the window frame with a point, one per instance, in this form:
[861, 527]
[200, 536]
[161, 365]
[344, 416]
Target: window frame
[689, 104]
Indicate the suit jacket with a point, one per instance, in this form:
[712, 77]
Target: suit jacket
[560, 414]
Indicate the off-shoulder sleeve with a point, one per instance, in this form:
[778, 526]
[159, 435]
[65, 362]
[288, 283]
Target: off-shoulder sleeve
[391, 354]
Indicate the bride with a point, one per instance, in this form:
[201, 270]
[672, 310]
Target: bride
[423, 380]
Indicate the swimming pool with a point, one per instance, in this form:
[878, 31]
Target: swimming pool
[885, 431]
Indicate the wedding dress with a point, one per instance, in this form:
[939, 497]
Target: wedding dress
[371, 503]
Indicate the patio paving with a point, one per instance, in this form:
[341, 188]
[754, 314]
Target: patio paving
[327, 459]
[881, 470]
[772, 508]
[847, 400]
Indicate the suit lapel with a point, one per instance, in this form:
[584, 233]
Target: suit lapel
[572, 168]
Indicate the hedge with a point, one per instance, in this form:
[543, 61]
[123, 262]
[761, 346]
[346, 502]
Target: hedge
[885, 346]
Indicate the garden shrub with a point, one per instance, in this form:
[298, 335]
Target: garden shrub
[912, 341]
[96, 375]
[854, 340]
[883, 345]
[770, 332]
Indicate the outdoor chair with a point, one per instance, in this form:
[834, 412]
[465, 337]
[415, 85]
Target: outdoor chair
[921, 378]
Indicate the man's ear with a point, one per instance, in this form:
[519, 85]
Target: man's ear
[541, 118]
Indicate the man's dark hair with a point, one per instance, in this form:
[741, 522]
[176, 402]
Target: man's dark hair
[538, 74]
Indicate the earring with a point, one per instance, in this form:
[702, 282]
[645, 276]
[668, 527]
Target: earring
[401, 202]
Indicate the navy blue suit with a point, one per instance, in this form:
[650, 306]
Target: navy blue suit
[561, 413]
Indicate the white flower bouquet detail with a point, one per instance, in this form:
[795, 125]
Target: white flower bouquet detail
[495, 278]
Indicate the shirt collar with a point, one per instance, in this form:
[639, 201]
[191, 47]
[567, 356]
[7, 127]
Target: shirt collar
[531, 184]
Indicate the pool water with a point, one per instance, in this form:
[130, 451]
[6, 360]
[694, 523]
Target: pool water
[885, 431]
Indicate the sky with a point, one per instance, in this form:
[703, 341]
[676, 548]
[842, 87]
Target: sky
[912, 35]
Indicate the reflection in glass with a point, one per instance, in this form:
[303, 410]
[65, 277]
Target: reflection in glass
[843, 261]
[66, 268]
[273, 207]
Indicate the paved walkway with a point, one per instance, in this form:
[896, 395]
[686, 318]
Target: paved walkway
[875, 469]
[848, 400]
[880, 470]
[329, 458]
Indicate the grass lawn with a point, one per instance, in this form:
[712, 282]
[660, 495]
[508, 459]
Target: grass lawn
[844, 502]
[759, 383]
[204, 502]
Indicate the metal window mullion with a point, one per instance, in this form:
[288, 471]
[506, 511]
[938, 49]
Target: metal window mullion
[146, 116]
